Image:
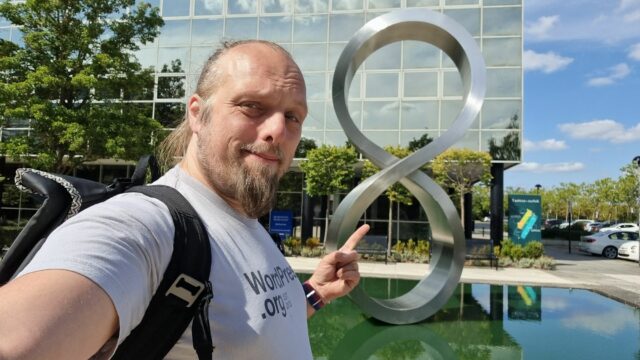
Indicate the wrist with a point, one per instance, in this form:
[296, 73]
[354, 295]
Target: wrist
[314, 299]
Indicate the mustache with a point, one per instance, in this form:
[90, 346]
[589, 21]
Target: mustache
[264, 149]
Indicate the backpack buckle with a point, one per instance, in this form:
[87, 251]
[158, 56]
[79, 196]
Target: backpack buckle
[186, 288]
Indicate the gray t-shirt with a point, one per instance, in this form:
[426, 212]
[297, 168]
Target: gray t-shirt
[258, 309]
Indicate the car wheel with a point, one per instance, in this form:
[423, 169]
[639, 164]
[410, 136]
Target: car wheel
[610, 252]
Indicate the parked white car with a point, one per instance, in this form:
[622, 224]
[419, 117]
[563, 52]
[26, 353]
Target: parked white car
[622, 226]
[629, 250]
[606, 243]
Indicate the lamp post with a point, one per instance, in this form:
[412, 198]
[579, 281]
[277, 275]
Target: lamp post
[538, 186]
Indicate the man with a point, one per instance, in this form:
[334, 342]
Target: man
[91, 282]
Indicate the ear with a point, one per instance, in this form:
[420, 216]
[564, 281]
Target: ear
[195, 106]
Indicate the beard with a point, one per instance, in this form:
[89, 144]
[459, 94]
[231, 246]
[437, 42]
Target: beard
[255, 188]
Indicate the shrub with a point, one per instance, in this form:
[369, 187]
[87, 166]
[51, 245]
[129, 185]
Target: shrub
[422, 249]
[525, 262]
[312, 242]
[544, 262]
[292, 246]
[411, 246]
[533, 249]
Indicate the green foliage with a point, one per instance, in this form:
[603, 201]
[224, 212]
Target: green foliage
[73, 79]
[397, 192]
[312, 242]
[292, 245]
[304, 146]
[531, 255]
[417, 144]
[328, 169]
[411, 251]
[508, 148]
[533, 249]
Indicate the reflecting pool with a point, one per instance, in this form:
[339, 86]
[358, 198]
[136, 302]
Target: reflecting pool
[483, 322]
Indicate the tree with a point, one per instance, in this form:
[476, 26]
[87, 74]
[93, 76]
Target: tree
[509, 148]
[328, 170]
[74, 79]
[422, 141]
[460, 169]
[304, 146]
[396, 192]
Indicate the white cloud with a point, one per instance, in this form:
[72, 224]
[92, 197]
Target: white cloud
[587, 319]
[628, 4]
[605, 130]
[549, 144]
[634, 52]
[541, 27]
[547, 63]
[614, 73]
[549, 168]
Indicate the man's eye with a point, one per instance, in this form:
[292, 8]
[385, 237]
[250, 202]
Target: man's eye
[293, 118]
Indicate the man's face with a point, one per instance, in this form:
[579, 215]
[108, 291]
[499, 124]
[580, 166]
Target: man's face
[253, 126]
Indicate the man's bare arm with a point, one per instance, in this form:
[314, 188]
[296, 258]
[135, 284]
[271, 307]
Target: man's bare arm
[54, 314]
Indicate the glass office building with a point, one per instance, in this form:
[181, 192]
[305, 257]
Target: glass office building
[402, 92]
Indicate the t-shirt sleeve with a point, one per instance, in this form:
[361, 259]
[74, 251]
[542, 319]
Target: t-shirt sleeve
[123, 245]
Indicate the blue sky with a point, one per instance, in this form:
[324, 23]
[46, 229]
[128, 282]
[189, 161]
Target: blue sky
[581, 91]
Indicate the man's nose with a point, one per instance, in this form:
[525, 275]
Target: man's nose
[273, 128]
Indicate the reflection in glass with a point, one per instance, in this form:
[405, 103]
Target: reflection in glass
[502, 145]
[469, 18]
[310, 57]
[175, 8]
[171, 87]
[343, 26]
[452, 84]
[310, 28]
[420, 115]
[470, 140]
[317, 136]
[277, 6]
[502, 21]
[387, 57]
[407, 137]
[241, 7]
[207, 7]
[501, 2]
[174, 32]
[383, 138]
[335, 138]
[316, 86]
[499, 114]
[169, 114]
[381, 115]
[346, 4]
[414, 3]
[384, 4]
[381, 85]
[502, 51]
[167, 55]
[461, 2]
[147, 57]
[315, 116]
[311, 6]
[198, 57]
[241, 28]
[334, 53]
[275, 28]
[449, 112]
[504, 82]
[354, 111]
[206, 31]
[419, 55]
[421, 84]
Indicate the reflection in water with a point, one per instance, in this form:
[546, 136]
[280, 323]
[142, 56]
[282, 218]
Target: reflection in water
[482, 322]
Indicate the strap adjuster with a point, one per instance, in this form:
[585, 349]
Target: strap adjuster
[186, 288]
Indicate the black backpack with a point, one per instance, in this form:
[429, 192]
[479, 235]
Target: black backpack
[184, 292]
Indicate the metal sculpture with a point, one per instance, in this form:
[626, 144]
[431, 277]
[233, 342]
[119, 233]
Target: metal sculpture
[448, 245]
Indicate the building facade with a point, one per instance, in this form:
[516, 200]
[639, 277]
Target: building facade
[402, 92]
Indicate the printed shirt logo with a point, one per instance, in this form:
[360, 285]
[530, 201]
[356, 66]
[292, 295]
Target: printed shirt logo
[268, 286]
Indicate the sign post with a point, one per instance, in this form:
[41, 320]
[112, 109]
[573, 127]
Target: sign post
[524, 218]
[281, 223]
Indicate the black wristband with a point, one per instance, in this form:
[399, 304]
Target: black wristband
[313, 298]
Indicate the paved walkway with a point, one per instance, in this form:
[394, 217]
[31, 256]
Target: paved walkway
[617, 279]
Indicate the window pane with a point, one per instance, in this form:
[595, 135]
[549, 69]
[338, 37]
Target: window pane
[421, 84]
[470, 140]
[206, 31]
[343, 26]
[414, 3]
[382, 85]
[384, 4]
[501, 114]
[450, 111]
[420, 115]
[171, 87]
[198, 57]
[503, 21]
[241, 28]
[469, 18]
[277, 6]
[335, 138]
[452, 84]
[208, 7]
[169, 114]
[175, 8]
[174, 32]
[502, 2]
[407, 136]
[381, 115]
[383, 138]
[347, 4]
[310, 28]
[419, 55]
[461, 2]
[275, 28]
[147, 57]
[315, 117]
[311, 6]
[502, 51]
[354, 111]
[168, 55]
[502, 145]
[310, 57]
[241, 7]
[316, 86]
[504, 82]
[387, 57]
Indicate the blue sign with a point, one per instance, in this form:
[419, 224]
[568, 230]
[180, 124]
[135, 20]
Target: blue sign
[281, 222]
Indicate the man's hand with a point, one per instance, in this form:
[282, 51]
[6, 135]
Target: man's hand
[337, 273]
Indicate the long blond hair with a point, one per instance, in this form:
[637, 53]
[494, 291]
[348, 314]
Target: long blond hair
[174, 146]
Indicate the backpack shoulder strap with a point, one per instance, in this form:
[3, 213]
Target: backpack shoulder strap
[184, 292]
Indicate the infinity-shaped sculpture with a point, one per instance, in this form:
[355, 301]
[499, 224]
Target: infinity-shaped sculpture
[448, 242]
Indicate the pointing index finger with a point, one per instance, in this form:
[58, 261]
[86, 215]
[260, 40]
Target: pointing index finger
[355, 238]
